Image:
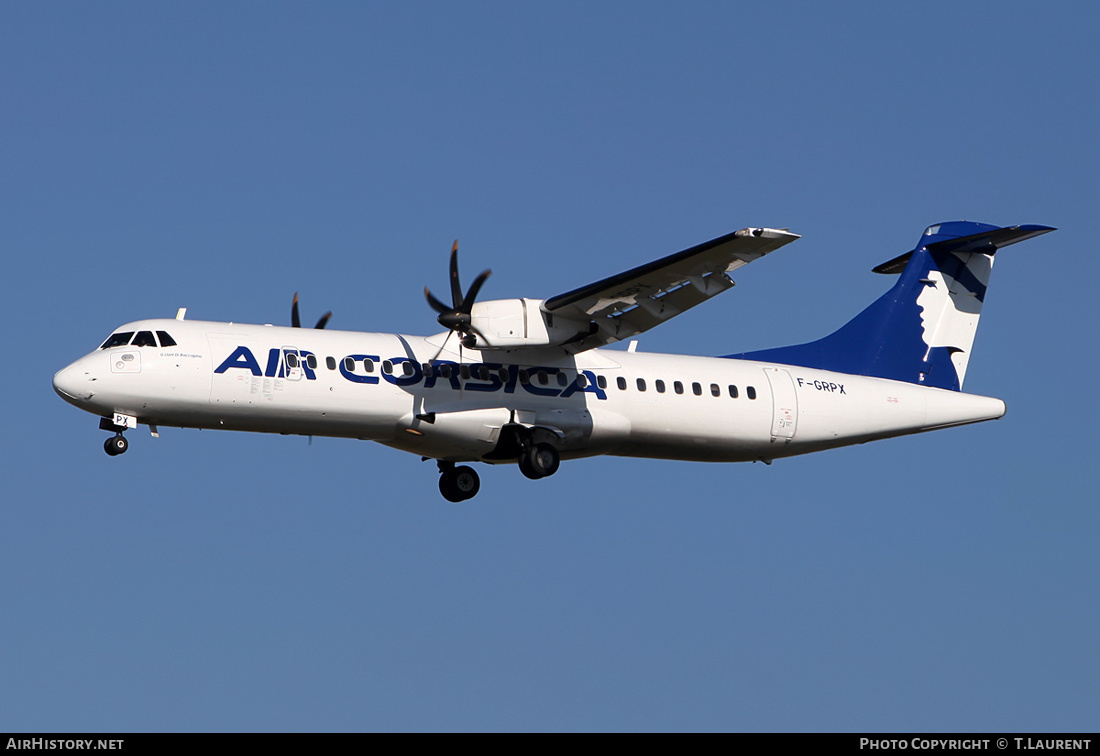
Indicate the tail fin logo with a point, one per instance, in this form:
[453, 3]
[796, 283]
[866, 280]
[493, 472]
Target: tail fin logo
[950, 306]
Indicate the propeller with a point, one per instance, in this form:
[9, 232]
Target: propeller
[296, 321]
[456, 318]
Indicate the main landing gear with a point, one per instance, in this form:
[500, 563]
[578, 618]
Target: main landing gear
[539, 461]
[461, 483]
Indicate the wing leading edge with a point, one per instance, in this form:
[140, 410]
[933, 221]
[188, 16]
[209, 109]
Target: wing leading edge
[639, 299]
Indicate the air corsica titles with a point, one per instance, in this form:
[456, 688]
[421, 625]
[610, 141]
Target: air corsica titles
[484, 376]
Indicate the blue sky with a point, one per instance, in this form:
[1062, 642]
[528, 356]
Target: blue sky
[220, 157]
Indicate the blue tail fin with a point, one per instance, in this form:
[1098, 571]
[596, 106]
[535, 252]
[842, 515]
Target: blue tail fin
[922, 330]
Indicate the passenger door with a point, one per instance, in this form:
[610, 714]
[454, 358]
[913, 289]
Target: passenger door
[784, 404]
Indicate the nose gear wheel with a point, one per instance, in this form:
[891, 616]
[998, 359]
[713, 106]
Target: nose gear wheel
[459, 483]
[116, 445]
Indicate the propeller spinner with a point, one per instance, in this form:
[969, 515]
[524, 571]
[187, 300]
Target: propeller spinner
[456, 318]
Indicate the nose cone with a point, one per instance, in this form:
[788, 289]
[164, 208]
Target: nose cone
[75, 384]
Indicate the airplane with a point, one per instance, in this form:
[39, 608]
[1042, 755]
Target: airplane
[526, 382]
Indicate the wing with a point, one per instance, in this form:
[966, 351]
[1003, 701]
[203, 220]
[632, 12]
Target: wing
[639, 299]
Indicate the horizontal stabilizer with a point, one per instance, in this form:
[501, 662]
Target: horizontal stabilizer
[986, 242]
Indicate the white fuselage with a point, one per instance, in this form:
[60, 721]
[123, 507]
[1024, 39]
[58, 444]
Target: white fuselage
[403, 391]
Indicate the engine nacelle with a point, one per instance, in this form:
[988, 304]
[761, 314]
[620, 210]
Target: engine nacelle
[516, 323]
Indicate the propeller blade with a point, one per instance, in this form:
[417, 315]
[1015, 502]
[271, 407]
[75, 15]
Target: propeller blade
[471, 295]
[435, 303]
[456, 287]
[296, 318]
[441, 347]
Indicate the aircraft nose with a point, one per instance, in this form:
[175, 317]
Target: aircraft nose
[74, 383]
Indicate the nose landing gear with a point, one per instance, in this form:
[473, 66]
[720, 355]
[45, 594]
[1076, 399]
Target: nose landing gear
[458, 483]
[116, 445]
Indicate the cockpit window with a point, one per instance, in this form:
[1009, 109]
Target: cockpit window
[165, 339]
[118, 339]
[144, 339]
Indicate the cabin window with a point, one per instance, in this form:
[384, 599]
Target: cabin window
[407, 368]
[562, 380]
[349, 364]
[582, 382]
[524, 378]
[144, 339]
[503, 375]
[733, 392]
[714, 390]
[291, 360]
[678, 387]
[697, 389]
[368, 365]
[750, 392]
[601, 381]
[543, 378]
[621, 383]
[464, 371]
[330, 363]
[641, 384]
[387, 367]
[445, 371]
[165, 339]
[311, 360]
[660, 386]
